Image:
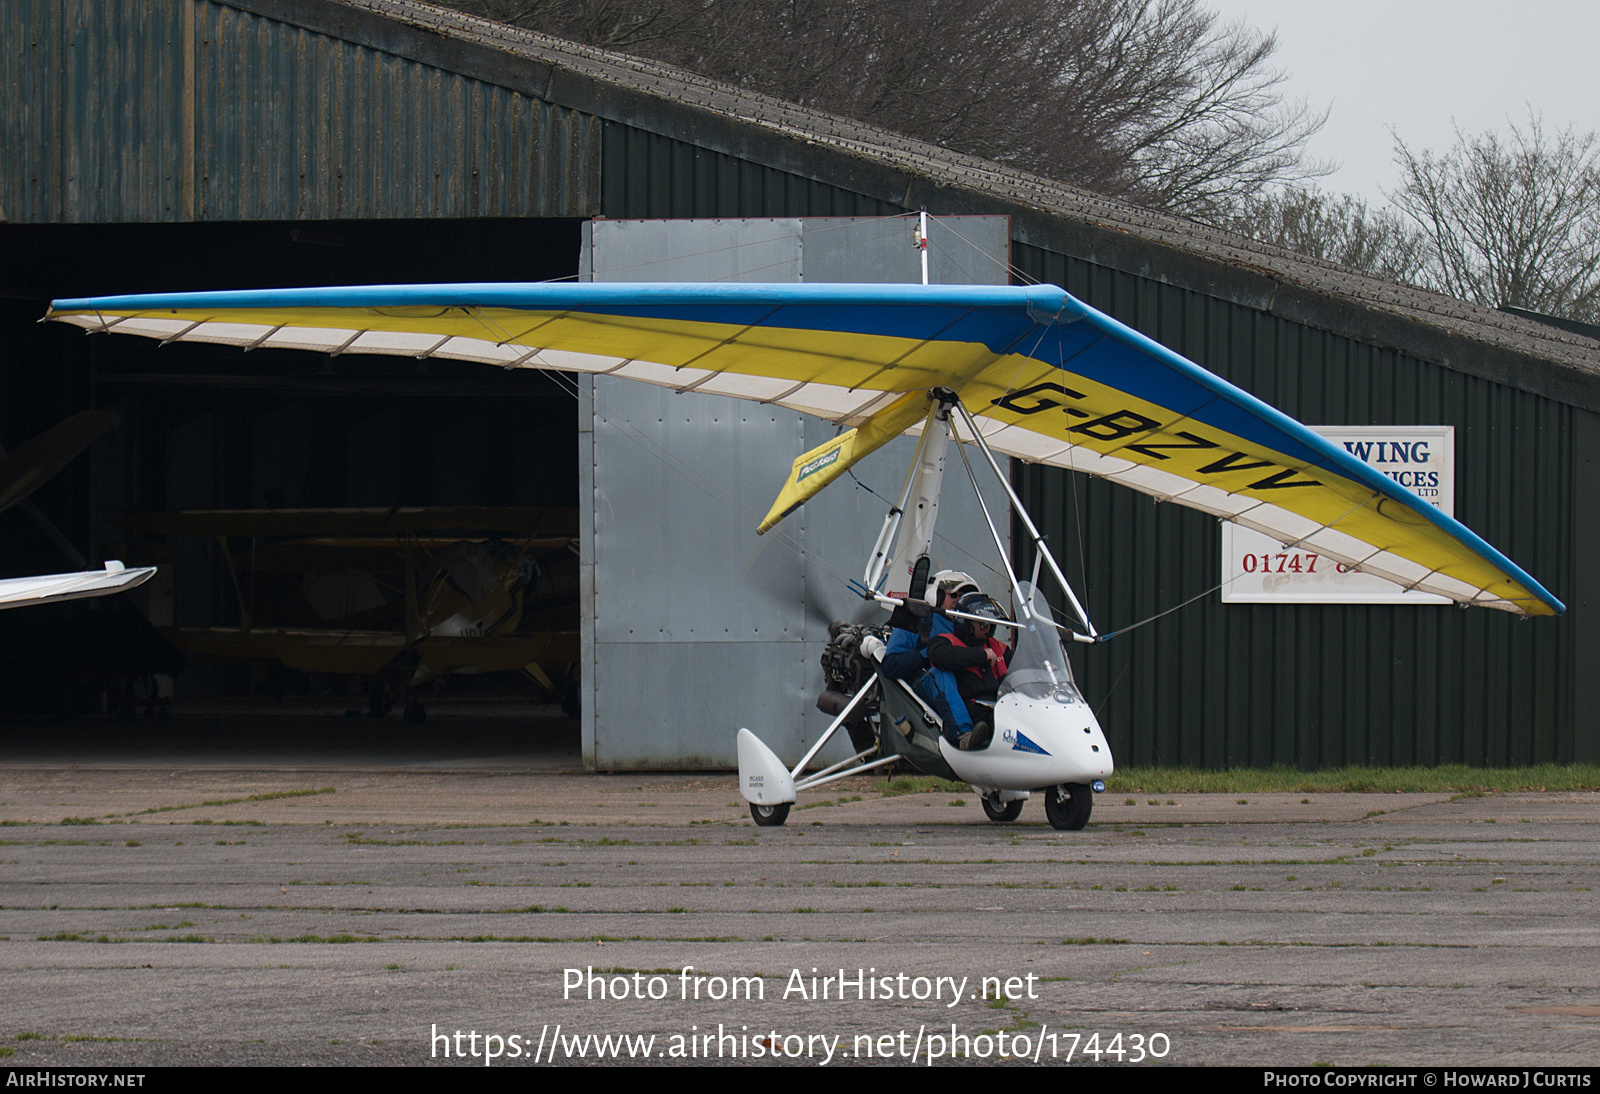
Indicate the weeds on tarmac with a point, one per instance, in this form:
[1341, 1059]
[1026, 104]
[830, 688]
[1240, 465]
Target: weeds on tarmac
[1445, 779]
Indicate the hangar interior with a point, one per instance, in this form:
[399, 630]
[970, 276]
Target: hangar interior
[173, 144]
[271, 429]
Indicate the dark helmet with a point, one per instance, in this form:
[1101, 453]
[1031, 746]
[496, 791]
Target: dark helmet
[981, 604]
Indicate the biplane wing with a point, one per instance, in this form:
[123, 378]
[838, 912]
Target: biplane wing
[408, 520]
[379, 554]
[1051, 380]
[475, 630]
[366, 653]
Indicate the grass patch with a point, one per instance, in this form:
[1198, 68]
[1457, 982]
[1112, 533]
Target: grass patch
[1445, 779]
[817, 804]
[1096, 942]
[80, 820]
[921, 784]
[332, 939]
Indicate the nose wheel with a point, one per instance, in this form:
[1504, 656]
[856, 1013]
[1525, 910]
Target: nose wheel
[769, 816]
[1067, 806]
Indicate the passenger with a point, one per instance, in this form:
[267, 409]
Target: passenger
[911, 626]
[968, 664]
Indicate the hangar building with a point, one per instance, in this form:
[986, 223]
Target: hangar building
[190, 144]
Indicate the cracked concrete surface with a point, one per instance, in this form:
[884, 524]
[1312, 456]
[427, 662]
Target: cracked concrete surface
[323, 911]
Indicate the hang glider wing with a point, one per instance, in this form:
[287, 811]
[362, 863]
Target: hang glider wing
[1052, 380]
[20, 592]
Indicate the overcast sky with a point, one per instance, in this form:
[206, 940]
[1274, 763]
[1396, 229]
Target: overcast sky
[1419, 65]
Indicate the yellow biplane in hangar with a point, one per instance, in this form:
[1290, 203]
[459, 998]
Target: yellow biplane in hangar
[404, 596]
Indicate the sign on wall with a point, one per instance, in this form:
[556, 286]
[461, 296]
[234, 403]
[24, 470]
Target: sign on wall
[1257, 569]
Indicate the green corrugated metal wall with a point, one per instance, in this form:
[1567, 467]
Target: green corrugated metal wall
[118, 112]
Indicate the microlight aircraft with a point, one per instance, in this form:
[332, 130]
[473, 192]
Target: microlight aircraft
[1027, 372]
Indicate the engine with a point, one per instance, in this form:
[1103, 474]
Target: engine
[845, 670]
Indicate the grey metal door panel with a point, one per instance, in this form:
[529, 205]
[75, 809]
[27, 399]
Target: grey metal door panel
[694, 626]
[678, 700]
[881, 251]
[696, 250]
[682, 480]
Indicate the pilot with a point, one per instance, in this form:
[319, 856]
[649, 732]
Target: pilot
[970, 662]
[912, 625]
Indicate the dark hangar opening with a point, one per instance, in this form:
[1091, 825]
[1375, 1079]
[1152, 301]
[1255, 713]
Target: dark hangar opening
[213, 427]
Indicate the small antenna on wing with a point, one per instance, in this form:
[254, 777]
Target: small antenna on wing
[920, 239]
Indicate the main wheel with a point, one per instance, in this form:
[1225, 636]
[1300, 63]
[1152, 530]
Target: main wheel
[770, 816]
[1068, 806]
[997, 810]
[416, 714]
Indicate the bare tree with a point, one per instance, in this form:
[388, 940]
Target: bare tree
[1152, 100]
[630, 26]
[1193, 106]
[1335, 228]
[1510, 219]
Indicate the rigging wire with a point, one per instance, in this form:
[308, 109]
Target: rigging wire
[1011, 268]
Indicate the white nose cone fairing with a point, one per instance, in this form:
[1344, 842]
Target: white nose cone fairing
[1037, 743]
[763, 780]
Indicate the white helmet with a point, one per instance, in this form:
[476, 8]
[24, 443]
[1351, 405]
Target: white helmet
[951, 581]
